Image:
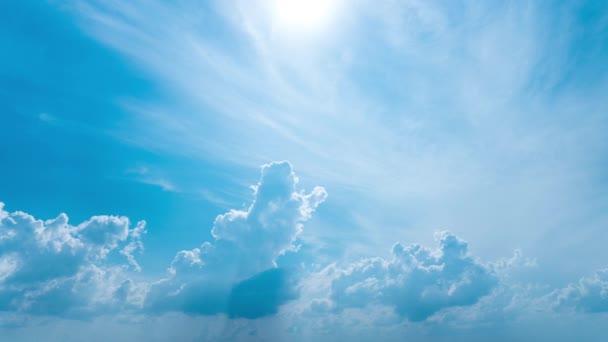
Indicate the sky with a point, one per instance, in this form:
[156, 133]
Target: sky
[290, 170]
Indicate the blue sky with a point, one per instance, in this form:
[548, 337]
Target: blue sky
[303, 170]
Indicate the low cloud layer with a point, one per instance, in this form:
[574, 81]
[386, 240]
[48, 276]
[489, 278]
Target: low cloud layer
[53, 267]
[416, 282]
[589, 295]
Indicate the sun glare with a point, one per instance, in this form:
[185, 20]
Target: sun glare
[304, 15]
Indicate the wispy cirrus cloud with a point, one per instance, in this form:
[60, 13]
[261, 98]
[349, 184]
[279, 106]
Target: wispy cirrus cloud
[485, 119]
[144, 175]
[448, 110]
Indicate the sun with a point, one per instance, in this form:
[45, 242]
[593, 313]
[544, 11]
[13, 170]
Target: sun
[304, 15]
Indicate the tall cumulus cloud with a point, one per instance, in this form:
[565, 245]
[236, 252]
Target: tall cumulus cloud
[237, 274]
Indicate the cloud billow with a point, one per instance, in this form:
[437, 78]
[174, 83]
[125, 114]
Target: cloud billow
[417, 282]
[589, 295]
[237, 274]
[53, 268]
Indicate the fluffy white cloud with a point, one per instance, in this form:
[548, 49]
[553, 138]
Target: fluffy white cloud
[417, 282]
[238, 274]
[52, 267]
[590, 294]
[257, 237]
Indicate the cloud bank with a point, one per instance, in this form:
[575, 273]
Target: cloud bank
[416, 282]
[52, 267]
[589, 295]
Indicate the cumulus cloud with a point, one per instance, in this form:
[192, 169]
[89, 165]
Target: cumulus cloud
[416, 282]
[52, 267]
[590, 294]
[237, 274]
[55, 268]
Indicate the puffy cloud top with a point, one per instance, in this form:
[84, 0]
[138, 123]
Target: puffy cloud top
[268, 228]
[417, 282]
[54, 267]
[590, 294]
[207, 280]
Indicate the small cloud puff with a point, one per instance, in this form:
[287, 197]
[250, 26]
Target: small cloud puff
[590, 294]
[228, 276]
[417, 282]
[52, 267]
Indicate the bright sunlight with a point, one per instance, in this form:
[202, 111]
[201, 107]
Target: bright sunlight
[304, 15]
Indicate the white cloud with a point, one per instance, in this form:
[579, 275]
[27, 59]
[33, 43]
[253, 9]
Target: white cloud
[589, 295]
[241, 263]
[57, 269]
[144, 175]
[52, 267]
[417, 282]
